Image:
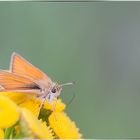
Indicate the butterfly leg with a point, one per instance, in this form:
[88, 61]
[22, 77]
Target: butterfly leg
[54, 107]
[41, 105]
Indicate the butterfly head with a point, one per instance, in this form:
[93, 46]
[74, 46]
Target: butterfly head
[55, 91]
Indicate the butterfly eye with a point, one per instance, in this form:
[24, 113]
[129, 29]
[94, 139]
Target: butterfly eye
[53, 90]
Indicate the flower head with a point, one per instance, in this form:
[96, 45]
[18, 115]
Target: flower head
[9, 112]
[63, 126]
[32, 127]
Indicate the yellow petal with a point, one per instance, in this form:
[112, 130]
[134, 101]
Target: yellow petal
[32, 105]
[57, 106]
[35, 128]
[17, 97]
[9, 113]
[63, 126]
[1, 134]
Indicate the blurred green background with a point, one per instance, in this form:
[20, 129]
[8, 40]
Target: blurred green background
[96, 44]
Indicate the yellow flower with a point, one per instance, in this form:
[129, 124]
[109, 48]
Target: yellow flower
[1, 134]
[33, 127]
[63, 126]
[58, 124]
[9, 113]
[29, 101]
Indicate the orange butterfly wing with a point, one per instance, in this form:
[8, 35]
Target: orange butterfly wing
[22, 67]
[10, 81]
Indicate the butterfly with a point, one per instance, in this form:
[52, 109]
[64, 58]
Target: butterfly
[25, 78]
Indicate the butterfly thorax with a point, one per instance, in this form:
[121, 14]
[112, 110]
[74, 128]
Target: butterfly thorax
[51, 93]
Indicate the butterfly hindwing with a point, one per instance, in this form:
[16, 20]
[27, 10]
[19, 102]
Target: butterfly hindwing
[10, 81]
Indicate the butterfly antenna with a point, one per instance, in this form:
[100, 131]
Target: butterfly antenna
[67, 84]
[73, 97]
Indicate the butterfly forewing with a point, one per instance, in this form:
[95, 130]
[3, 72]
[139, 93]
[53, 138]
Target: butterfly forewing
[22, 67]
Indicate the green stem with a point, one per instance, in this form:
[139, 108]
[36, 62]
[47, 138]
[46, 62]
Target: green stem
[8, 132]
